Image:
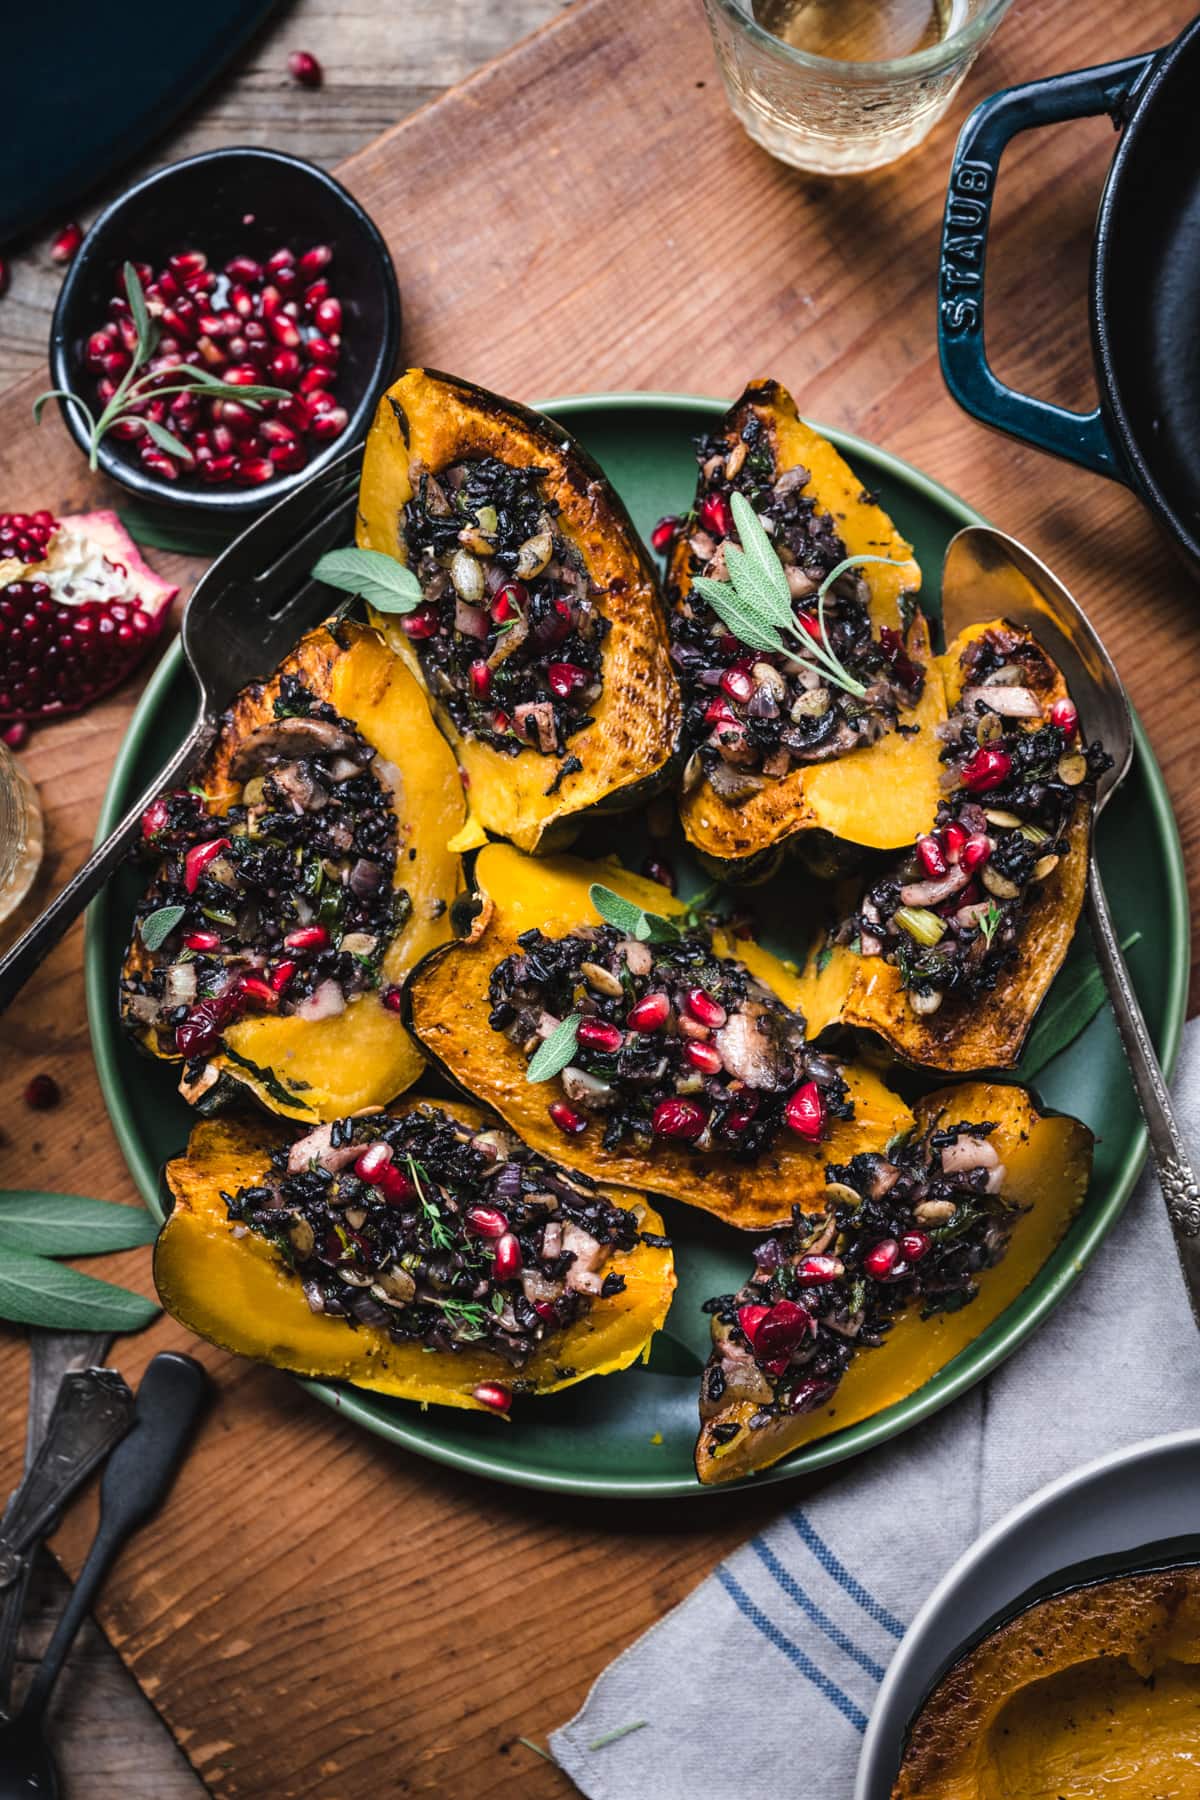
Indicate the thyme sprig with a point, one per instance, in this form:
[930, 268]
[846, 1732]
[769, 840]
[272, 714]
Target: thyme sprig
[439, 1237]
[135, 388]
[756, 602]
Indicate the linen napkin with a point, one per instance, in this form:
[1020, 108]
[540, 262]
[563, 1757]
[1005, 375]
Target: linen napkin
[781, 1649]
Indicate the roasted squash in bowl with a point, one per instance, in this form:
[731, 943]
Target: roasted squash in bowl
[541, 640]
[834, 732]
[948, 952]
[917, 1249]
[1092, 1689]
[303, 873]
[705, 1090]
[421, 1252]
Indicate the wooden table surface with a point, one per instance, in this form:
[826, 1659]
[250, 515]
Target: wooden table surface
[314, 1613]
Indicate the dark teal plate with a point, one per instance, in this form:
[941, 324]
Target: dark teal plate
[632, 1434]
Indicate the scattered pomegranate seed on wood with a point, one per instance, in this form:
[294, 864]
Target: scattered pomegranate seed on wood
[66, 243]
[304, 68]
[5, 275]
[42, 1093]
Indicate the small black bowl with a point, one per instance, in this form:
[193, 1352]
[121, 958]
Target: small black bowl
[225, 202]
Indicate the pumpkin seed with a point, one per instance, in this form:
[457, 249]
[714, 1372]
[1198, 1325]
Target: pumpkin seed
[999, 885]
[601, 981]
[1072, 768]
[811, 704]
[996, 816]
[934, 1212]
[467, 576]
[925, 1004]
[302, 1238]
[989, 728]
[838, 1194]
[534, 554]
[735, 459]
[1046, 865]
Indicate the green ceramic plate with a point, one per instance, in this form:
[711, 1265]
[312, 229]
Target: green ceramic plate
[632, 1434]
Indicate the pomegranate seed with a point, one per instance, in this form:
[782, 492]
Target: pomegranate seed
[738, 684]
[986, 769]
[717, 713]
[244, 268]
[393, 999]
[217, 469]
[661, 872]
[510, 600]
[304, 68]
[486, 1222]
[284, 332]
[500, 721]
[282, 973]
[198, 859]
[316, 380]
[975, 852]
[283, 367]
[257, 992]
[314, 293]
[931, 857]
[705, 1057]
[422, 622]
[750, 1318]
[805, 1112]
[66, 242]
[809, 622]
[787, 1324]
[569, 1122]
[329, 424]
[808, 1394]
[1064, 715]
[42, 1093]
[16, 736]
[202, 940]
[649, 1014]
[704, 1008]
[507, 1260]
[566, 679]
[664, 532]
[373, 1161]
[294, 413]
[251, 471]
[158, 462]
[953, 838]
[306, 937]
[882, 1258]
[494, 1395]
[320, 350]
[395, 1185]
[545, 1309]
[679, 1119]
[598, 1034]
[740, 1113]
[816, 1269]
[287, 458]
[916, 1244]
[327, 316]
[155, 818]
[715, 515]
[481, 680]
[243, 374]
[98, 347]
[316, 259]
[282, 258]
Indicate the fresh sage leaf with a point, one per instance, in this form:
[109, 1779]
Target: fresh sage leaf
[36, 1224]
[36, 1291]
[383, 583]
[633, 920]
[746, 624]
[1074, 1000]
[157, 927]
[556, 1052]
[759, 552]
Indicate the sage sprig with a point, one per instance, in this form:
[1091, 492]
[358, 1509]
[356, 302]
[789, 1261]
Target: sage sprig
[37, 1224]
[551, 1057]
[157, 926]
[140, 384]
[36, 1290]
[387, 585]
[633, 920]
[756, 603]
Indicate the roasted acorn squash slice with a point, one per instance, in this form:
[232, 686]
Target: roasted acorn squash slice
[1047, 1162]
[428, 423]
[987, 1031]
[878, 796]
[448, 1008]
[239, 1293]
[1094, 1688]
[362, 1056]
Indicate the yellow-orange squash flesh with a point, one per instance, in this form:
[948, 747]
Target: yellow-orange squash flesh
[239, 1293]
[839, 987]
[1048, 1163]
[428, 421]
[879, 796]
[326, 1068]
[447, 998]
[1091, 1692]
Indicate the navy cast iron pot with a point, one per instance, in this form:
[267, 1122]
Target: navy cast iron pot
[1145, 279]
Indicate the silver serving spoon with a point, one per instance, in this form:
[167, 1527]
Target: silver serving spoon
[987, 575]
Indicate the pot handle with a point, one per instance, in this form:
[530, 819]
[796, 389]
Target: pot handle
[1080, 437]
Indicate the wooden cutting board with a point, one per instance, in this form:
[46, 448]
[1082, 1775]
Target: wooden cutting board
[315, 1613]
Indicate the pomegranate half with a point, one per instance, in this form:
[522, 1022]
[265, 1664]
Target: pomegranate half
[79, 608]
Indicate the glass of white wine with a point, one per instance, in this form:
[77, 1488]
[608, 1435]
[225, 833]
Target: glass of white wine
[839, 86]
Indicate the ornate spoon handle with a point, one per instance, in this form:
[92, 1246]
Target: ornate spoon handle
[1173, 1164]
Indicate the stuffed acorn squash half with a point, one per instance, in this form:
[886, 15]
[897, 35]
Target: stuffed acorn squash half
[948, 953]
[915, 1251]
[541, 639]
[653, 1052]
[300, 879]
[421, 1252]
[824, 722]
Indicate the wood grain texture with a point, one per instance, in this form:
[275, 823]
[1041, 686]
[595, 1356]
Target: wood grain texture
[316, 1614]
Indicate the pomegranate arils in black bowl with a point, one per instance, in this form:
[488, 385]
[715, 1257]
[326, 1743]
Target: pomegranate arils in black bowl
[250, 323]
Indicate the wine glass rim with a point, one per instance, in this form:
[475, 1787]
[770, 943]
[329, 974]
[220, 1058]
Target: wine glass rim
[917, 62]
